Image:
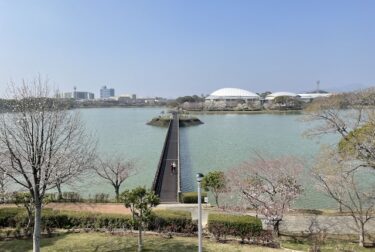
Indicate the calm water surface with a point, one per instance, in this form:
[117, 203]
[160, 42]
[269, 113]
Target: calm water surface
[223, 141]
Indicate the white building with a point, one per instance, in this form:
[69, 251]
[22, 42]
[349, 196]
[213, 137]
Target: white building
[272, 96]
[311, 96]
[232, 94]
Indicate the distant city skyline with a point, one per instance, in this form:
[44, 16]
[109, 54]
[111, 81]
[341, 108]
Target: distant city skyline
[174, 48]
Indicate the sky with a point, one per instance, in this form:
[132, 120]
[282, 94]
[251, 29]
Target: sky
[171, 48]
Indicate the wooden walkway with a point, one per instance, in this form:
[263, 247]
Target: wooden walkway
[167, 184]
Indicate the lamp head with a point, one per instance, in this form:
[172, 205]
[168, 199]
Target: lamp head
[199, 177]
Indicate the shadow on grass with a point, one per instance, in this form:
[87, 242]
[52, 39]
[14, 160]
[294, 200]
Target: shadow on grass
[18, 245]
[99, 242]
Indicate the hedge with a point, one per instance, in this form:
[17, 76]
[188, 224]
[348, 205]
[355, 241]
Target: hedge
[161, 221]
[242, 226]
[173, 221]
[8, 216]
[191, 197]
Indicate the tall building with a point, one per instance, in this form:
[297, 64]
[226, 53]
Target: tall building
[79, 95]
[105, 92]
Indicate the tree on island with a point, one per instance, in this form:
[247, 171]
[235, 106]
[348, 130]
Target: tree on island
[287, 102]
[115, 170]
[140, 201]
[269, 186]
[342, 181]
[39, 140]
[215, 182]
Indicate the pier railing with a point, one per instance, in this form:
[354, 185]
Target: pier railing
[178, 162]
[157, 183]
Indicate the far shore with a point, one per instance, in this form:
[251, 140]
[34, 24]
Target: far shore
[204, 111]
[246, 112]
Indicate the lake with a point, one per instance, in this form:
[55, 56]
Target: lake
[223, 141]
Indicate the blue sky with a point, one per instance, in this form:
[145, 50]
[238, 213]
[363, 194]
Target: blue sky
[173, 48]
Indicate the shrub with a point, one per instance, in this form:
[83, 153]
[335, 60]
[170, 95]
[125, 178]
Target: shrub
[8, 216]
[241, 226]
[191, 197]
[172, 221]
[162, 220]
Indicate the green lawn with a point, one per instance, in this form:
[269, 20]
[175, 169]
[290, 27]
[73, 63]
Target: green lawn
[329, 247]
[106, 242]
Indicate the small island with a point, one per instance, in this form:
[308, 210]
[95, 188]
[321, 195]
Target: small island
[185, 121]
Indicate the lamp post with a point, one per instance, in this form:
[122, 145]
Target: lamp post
[199, 180]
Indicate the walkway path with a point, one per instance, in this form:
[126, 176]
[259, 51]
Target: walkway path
[168, 192]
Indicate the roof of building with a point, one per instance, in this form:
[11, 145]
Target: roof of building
[278, 94]
[232, 93]
[314, 95]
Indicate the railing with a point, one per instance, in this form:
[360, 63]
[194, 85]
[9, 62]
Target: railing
[156, 184]
[178, 160]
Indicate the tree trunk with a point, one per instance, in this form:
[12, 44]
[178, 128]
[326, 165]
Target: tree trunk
[59, 192]
[140, 242]
[362, 235]
[276, 230]
[217, 200]
[30, 216]
[117, 191]
[37, 224]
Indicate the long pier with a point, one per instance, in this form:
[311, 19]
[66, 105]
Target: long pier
[167, 184]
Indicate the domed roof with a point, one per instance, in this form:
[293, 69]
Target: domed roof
[233, 93]
[278, 94]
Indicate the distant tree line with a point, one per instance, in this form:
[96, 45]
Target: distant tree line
[9, 105]
[193, 98]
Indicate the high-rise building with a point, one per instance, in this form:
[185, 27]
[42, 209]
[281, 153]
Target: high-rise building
[79, 95]
[105, 92]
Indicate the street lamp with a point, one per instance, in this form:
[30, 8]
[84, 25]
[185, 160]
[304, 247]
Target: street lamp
[199, 180]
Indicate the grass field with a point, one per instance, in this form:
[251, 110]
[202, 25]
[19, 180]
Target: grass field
[106, 242]
[329, 246]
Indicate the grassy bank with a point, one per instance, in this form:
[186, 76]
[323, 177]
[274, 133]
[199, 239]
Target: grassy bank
[107, 242]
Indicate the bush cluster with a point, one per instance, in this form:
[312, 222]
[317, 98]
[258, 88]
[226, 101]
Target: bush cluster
[242, 226]
[191, 197]
[161, 221]
[172, 221]
[8, 216]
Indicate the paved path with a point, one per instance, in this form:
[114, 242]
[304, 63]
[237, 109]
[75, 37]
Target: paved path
[332, 224]
[168, 192]
[293, 223]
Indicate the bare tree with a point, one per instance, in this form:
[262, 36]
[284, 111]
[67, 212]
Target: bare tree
[41, 142]
[268, 185]
[346, 171]
[350, 116]
[341, 181]
[116, 170]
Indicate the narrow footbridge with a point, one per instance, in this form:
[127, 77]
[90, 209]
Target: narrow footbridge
[167, 183]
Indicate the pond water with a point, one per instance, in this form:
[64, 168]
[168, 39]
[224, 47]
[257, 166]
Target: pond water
[223, 141]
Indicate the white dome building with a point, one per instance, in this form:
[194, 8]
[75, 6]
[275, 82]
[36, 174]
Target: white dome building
[272, 96]
[232, 94]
